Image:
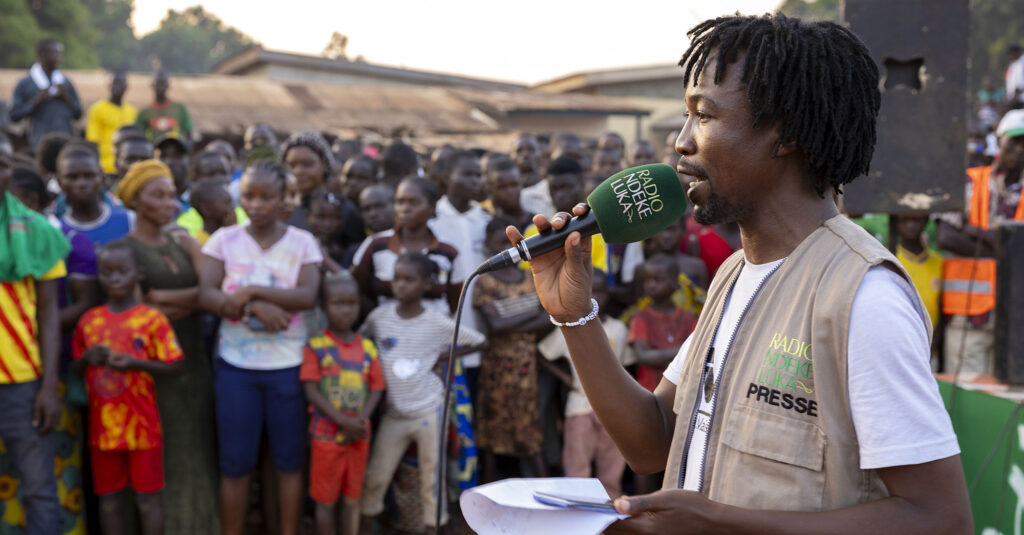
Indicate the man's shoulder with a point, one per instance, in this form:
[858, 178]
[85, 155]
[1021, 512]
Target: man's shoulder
[25, 83]
[855, 239]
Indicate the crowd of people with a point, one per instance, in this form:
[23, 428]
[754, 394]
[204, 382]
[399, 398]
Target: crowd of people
[180, 318]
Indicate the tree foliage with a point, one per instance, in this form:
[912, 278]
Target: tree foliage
[98, 33]
[117, 47]
[812, 10]
[191, 41]
[24, 22]
[995, 25]
[18, 30]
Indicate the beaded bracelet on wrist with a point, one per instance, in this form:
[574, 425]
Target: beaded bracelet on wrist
[580, 322]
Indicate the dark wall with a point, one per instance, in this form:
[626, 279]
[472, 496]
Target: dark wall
[920, 47]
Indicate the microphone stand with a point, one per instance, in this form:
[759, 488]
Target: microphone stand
[442, 456]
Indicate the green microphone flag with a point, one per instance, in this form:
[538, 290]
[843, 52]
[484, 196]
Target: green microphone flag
[637, 203]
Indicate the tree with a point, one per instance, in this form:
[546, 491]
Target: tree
[117, 47]
[18, 34]
[812, 9]
[24, 22]
[191, 41]
[336, 47]
[995, 25]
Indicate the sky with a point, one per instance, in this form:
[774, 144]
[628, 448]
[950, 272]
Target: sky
[525, 41]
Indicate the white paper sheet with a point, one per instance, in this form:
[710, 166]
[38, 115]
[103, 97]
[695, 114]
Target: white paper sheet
[507, 507]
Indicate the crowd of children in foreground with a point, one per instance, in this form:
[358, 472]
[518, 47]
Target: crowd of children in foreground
[249, 317]
[285, 316]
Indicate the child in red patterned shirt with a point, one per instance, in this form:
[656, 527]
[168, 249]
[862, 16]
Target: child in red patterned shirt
[343, 382]
[120, 346]
[657, 332]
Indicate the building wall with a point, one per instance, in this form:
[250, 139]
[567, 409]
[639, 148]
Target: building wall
[667, 88]
[584, 126]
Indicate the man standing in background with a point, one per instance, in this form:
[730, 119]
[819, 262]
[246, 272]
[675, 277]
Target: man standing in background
[164, 118]
[106, 116]
[45, 96]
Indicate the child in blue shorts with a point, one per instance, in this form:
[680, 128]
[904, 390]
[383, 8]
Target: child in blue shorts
[258, 277]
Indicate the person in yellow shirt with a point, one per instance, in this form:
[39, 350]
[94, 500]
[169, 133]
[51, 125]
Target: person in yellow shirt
[106, 116]
[31, 259]
[923, 264]
[565, 182]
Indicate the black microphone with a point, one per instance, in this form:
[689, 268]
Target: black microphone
[629, 206]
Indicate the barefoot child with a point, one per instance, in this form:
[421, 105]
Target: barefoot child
[411, 337]
[342, 379]
[120, 346]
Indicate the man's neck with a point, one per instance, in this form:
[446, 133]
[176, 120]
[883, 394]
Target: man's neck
[914, 247]
[780, 226]
[116, 100]
[459, 203]
[86, 212]
[517, 215]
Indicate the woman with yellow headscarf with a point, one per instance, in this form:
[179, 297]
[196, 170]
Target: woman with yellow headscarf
[170, 262]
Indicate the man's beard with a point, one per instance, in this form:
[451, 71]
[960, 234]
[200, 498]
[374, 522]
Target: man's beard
[718, 211]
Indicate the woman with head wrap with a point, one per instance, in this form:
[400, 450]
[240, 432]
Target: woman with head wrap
[308, 157]
[169, 260]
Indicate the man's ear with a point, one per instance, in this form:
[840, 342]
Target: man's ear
[784, 149]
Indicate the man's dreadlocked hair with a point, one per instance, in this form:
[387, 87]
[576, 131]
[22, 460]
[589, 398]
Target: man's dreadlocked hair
[816, 79]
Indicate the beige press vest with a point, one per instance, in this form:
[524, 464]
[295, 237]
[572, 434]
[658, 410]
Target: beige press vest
[781, 436]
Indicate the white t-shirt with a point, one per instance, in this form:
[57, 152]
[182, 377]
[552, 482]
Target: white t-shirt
[409, 349]
[536, 199]
[246, 263]
[466, 232]
[888, 367]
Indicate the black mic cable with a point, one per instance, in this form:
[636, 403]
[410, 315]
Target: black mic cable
[442, 454]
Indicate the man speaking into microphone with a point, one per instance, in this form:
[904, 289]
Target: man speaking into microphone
[803, 402]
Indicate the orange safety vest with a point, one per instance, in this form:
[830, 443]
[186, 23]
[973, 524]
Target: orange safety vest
[969, 285]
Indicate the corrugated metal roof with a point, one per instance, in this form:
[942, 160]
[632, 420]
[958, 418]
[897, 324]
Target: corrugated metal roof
[585, 79]
[230, 103]
[223, 104]
[254, 56]
[520, 102]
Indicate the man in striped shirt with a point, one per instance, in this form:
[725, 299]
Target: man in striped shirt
[29, 344]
